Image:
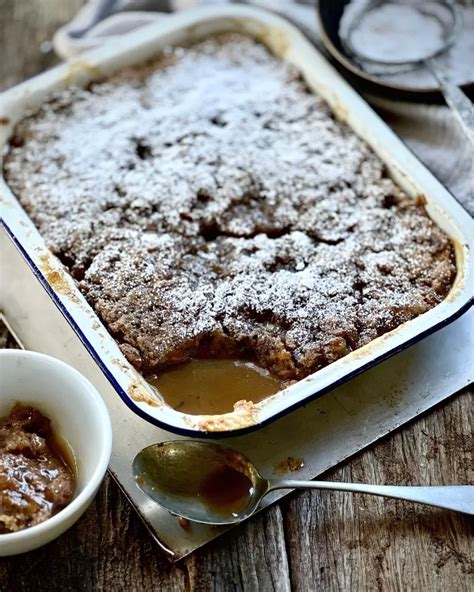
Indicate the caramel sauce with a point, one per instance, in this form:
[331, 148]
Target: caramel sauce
[211, 387]
[226, 491]
[61, 449]
[289, 465]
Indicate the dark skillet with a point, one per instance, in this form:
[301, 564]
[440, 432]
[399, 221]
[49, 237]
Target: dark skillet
[330, 13]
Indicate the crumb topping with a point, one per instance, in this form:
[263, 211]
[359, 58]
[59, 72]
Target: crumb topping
[208, 204]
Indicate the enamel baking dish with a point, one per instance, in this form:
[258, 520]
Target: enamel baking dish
[289, 44]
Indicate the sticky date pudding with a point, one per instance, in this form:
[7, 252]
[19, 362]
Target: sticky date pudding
[209, 205]
[36, 480]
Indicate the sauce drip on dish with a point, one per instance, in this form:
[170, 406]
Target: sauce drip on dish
[212, 387]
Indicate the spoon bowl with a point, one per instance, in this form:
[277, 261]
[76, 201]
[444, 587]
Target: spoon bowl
[201, 481]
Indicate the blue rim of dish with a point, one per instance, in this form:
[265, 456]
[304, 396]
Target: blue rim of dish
[231, 433]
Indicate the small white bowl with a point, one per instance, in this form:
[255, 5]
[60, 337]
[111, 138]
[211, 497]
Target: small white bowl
[78, 415]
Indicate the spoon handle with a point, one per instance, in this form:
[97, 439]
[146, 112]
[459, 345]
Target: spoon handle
[451, 497]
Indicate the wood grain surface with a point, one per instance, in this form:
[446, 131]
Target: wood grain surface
[312, 540]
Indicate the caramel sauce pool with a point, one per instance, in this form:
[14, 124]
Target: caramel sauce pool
[61, 449]
[226, 491]
[211, 387]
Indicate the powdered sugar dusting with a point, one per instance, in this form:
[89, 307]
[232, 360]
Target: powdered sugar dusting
[208, 204]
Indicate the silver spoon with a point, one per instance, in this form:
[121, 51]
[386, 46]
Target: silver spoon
[457, 101]
[212, 484]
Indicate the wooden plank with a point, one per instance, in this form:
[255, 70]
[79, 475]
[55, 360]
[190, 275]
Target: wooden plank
[253, 557]
[342, 541]
[25, 30]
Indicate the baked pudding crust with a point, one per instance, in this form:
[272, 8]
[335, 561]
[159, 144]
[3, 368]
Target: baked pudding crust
[209, 205]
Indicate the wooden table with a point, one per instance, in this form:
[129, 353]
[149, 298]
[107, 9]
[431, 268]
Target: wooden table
[311, 541]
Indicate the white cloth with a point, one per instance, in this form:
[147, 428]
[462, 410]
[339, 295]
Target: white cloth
[100, 20]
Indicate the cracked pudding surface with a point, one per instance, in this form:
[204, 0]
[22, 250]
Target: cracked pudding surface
[209, 205]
